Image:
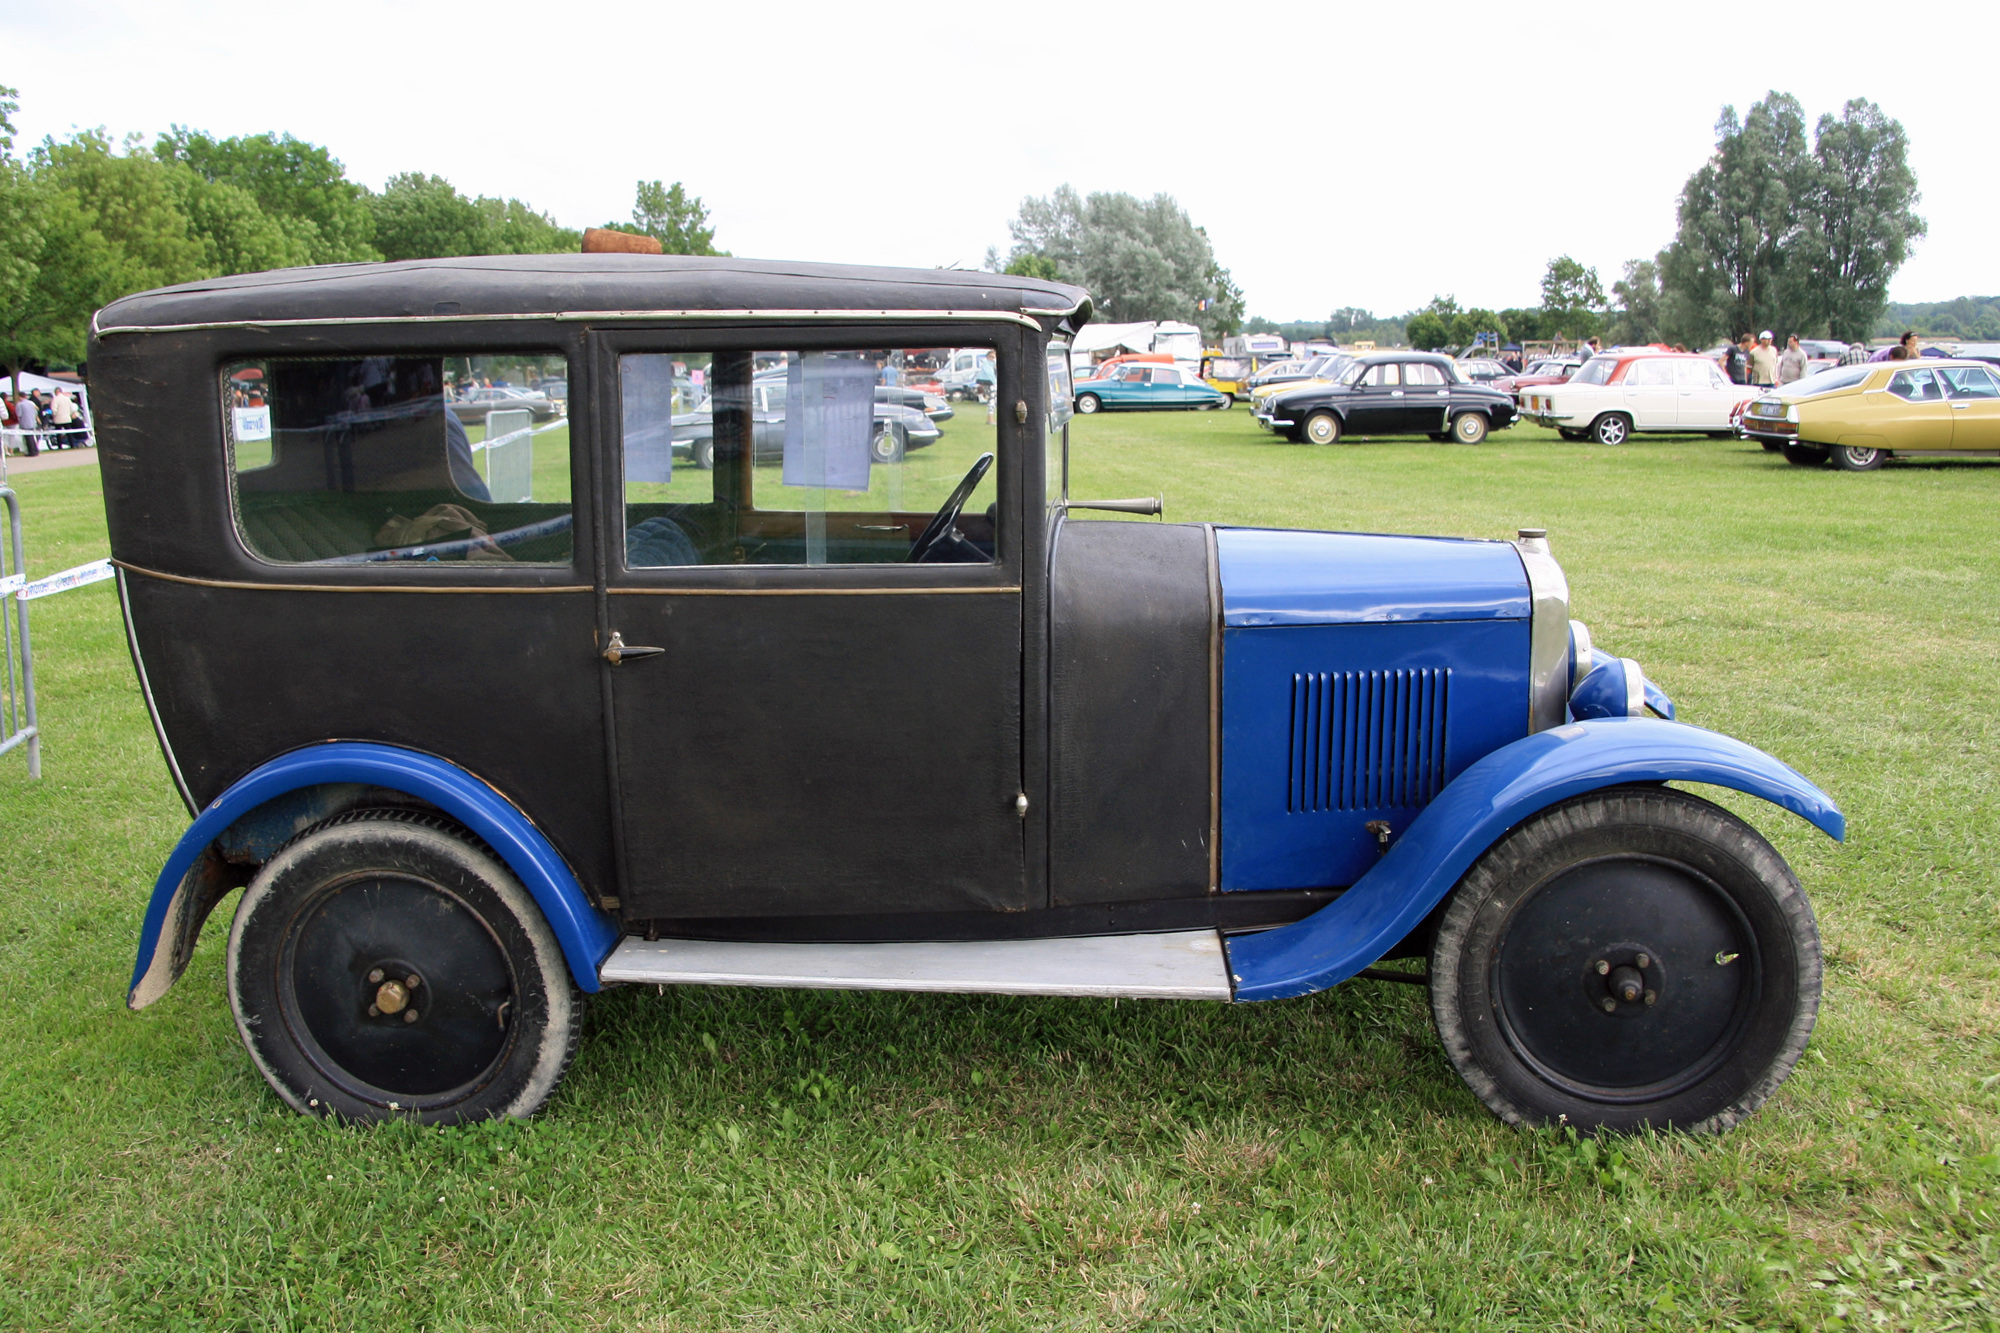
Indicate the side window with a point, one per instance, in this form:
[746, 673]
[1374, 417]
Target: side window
[1133, 374]
[1166, 375]
[1062, 403]
[1387, 375]
[809, 458]
[1650, 374]
[1418, 372]
[1918, 386]
[1693, 374]
[1970, 382]
[387, 459]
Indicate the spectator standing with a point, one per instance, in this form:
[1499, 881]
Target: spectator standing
[1736, 361]
[1590, 347]
[1510, 357]
[1908, 342]
[1855, 355]
[62, 415]
[1791, 361]
[1764, 361]
[28, 420]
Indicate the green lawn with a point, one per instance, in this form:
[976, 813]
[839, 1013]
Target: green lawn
[769, 1160]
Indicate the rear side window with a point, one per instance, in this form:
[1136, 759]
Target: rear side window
[1650, 374]
[400, 459]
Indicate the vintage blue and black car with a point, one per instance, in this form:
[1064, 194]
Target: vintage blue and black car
[471, 752]
[1390, 393]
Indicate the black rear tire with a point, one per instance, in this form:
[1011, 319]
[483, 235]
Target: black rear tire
[888, 444]
[1536, 978]
[704, 455]
[1611, 428]
[1088, 403]
[1569, 434]
[322, 951]
[1849, 458]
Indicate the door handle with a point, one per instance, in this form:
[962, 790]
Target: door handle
[1395, 393]
[618, 650]
[1960, 407]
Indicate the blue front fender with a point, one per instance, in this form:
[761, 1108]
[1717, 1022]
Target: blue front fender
[585, 933]
[1472, 813]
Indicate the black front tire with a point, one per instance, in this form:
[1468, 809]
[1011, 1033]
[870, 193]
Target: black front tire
[321, 956]
[1611, 428]
[1566, 433]
[1469, 427]
[1088, 403]
[1536, 978]
[1770, 446]
[888, 445]
[704, 455]
[1804, 455]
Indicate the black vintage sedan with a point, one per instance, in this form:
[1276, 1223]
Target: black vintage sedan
[898, 427]
[1390, 393]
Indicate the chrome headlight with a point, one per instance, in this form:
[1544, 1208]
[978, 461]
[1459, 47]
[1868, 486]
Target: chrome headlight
[1792, 414]
[1548, 632]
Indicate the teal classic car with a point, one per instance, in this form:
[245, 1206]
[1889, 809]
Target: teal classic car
[1150, 387]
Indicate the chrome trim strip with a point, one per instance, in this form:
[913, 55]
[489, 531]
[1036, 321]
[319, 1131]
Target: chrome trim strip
[583, 316]
[807, 592]
[146, 692]
[1214, 713]
[1548, 633]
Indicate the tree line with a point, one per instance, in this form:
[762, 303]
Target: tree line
[1780, 229]
[84, 221]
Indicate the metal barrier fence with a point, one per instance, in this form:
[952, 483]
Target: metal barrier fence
[17, 700]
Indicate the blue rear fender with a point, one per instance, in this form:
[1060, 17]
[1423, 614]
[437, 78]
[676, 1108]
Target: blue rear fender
[180, 900]
[1475, 810]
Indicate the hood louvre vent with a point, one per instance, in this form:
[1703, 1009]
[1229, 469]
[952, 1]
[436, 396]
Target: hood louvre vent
[1367, 740]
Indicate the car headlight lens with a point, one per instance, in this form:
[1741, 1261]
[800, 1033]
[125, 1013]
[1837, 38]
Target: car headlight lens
[1617, 687]
[1792, 414]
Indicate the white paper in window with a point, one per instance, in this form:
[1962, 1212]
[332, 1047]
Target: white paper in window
[647, 391]
[253, 423]
[829, 417]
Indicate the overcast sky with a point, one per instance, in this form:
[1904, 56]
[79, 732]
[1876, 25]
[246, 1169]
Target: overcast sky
[1370, 155]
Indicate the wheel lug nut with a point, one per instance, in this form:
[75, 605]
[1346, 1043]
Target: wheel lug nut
[409, 1015]
[374, 1011]
[1602, 968]
[413, 980]
[1643, 962]
[375, 976]
[1608, 1003]
[1652, 996]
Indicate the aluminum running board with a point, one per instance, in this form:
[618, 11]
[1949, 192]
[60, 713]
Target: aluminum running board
[1180, 965]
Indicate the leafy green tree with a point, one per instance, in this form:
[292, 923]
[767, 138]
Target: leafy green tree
[1740, 218]
[299, 183]
[130, 199]
[1141, 259]
[1040, 267]
[512, 228]
[423, 217]
[1435, 326]
[1572, 296]
[671, 216]
[1637, 294]
[1857, 221]
[55, 269]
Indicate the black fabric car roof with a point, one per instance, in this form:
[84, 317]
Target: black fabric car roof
[583, 285]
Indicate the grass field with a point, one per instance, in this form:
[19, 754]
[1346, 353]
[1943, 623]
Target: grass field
[769, 1160]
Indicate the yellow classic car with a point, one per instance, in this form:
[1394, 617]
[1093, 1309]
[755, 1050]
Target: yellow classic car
[1858, 417]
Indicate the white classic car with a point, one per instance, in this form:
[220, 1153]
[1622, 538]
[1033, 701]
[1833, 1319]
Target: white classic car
[1619, 392]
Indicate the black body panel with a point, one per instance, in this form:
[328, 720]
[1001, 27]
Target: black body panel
[504, 685]
[793, 755]
[1131, 711]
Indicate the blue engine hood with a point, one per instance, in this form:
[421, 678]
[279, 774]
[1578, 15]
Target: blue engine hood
[1283, 577]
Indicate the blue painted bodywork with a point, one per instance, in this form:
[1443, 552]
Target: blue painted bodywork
[1326, 728]
[585, 933]
[1279, 577]
[1489, 798]
[1361, 674]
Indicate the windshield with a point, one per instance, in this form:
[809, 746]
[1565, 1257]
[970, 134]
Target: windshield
[1826, 381]
[1352, 375]
[1597, 370]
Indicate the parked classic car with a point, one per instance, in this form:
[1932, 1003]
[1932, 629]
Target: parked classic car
[478, 402]
[920, 730]
[1389, 393]
[1481, 370]
[898, 427]
[1618, 393]
[1545, 370]
[1859, 417]
[1146, 387]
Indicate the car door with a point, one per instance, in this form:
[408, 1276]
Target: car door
[804, 721]
[1974, 395]
[1426, 397]
[1376, 400]
[1170, 387]
[1650, 395]
[1706, 398]
[1916, 413]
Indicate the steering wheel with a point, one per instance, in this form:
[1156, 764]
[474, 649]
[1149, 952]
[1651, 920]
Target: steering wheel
[947, 514]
